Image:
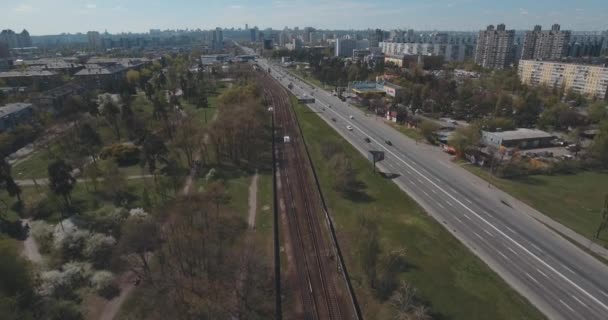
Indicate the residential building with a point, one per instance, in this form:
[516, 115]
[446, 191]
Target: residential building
[308, 34]
[406, 61]
[521, 138]
[451, 52]
[376, 37]
[42, 78]
[218, 38]
[296, 44]
[16, 40]
[545, 45]
[495, 47]
[4, 50]
[14, 114]
[584, 79]
[253, 35]
[345, 47]
[94, 40]
[54, 99]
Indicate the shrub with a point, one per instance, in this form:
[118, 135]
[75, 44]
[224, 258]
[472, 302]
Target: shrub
[125, 154]
[98, 249]
[43, 209]
[62, 283]
[62, 310]
[104, 285]
[107, 219]
[43, 234]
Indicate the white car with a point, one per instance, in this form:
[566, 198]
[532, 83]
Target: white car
[351, 117]
[349, 128]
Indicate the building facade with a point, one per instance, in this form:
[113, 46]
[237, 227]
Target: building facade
[451, 52]
[545, 45]
[584, 79]
[94, 40]
[16, 40]
[495, 47]
[345, 47]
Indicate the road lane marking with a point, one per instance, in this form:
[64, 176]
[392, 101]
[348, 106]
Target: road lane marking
[531, 277]
[502, 254]
[457, 219]
[604, 293]
[419, 180]
[515, 253]
[449, 203]
[488, 233]
[516, 243]
[469, 201]
[466, 216]
[536, 247]
[426, 194]
[440, 205]
[477, 234]
[579, 301]
[565, 267]
[508, 228]
[565, 304]
[544, 274]
[433, 190]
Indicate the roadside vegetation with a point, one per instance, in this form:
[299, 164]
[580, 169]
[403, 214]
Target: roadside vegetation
[403, 264]
[105, 203]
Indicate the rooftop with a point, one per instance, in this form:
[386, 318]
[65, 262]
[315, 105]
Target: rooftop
[521, 134]
[29, 73]
[12, 108]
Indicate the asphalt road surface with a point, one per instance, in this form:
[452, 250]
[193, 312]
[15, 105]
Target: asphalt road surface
[560, 279]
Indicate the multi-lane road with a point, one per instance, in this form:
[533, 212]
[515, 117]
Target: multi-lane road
[560, 279]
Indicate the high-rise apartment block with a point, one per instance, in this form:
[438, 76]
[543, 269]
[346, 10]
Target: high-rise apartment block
[16, 40]
[345, 47]
[94, 40]
[545, 45]
[588, 80]
[495, 47]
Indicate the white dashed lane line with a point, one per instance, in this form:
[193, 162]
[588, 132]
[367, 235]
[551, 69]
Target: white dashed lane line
[566, 305]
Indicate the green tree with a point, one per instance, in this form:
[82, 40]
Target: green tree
[428, 128]
[344, 175]
[111, 113]
[465, 138]
[598, 112]
[61, 181]
[7, 182]
[16, 283]
[599, 146]
[89, 141]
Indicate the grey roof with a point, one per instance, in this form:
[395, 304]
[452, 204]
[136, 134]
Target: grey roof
[520, 134]
[12, 108]
[94, 70]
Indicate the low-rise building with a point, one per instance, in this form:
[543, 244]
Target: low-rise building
[588, 80]
[521, 138]
[450, 52]
[14, 114]
[366, 88]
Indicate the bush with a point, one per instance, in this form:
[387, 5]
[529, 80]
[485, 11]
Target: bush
[107, 219]
[43, 234]
[98, 249]
[62, 310]
[125, 154]
[43, 209]
[104, 285]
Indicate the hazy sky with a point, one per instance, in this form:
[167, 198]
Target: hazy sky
[56, 16]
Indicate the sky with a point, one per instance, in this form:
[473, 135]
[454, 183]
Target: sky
[41, 17]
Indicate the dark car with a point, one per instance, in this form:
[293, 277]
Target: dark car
[333, 119]
[368, 140]
[389, 142]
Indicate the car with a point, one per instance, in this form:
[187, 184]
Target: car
[368, 140]
[389, 142]
[349, 128]
[333, 119]
[351, 117]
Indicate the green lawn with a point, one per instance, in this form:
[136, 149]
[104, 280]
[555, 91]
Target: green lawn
[573, 200]
[306, 77]
[409, 132]
[264, 218]
[454, 282]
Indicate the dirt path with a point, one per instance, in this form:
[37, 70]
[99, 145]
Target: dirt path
[253, 200]
[30, 247]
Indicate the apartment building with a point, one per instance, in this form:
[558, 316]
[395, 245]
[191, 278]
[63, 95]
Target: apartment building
[451, 52]
[495, 47]
[588, 80]
[545, 45]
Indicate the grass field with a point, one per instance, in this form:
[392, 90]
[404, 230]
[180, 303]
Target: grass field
[574, 200]
[454, 282]
[409, 132]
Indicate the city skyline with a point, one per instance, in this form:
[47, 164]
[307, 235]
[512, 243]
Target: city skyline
[70, 16]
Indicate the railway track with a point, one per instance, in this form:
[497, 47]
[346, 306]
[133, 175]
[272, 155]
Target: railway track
[322, 292]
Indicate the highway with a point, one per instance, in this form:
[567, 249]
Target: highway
[561, 280]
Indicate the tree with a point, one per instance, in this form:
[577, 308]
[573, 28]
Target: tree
[16, 283]
[133, 77]
[604, 221]
[188, 138]
[217, 194]
[111, 112]
[61, 181]
[7, 182]
[598, 112]
[599, 146]
[428, 128]
[139, 238]
[403, 300]
[89, 141]
[465, 138]
[154, 151]
[114, 182]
